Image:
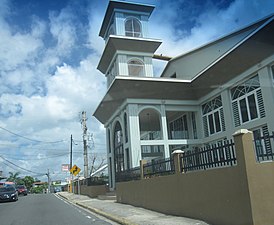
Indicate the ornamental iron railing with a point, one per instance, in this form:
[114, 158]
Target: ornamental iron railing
[128, 175]
[209, 157]
[159, 168]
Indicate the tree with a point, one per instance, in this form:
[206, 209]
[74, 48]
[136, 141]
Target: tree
[28, 181]
[14, 177]
[95, 165]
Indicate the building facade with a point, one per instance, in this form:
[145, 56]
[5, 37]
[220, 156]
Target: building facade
[201, 98]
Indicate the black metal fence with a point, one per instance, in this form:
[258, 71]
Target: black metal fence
[214, 156]
[159, 168]
[263, 147]
[94, 181]
[128, 175]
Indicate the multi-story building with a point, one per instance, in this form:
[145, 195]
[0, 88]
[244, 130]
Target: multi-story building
[202, 97]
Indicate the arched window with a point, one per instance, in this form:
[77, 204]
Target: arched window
[133, 28]
[136, 68]
[118, 148]
[150, 125]
[126, 130]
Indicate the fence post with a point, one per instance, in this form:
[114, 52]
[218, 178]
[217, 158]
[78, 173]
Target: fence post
[176, 158]
[244, 146]
[142, 163]
[259, 178]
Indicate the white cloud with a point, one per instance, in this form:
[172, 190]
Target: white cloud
[63, 30]
[16, 49]
[44, 85]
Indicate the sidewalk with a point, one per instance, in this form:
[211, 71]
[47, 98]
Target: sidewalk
[127, 214]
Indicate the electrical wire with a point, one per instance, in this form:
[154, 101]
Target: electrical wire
[33, 140]
[20, 166]
[33, 159]
[14, 169]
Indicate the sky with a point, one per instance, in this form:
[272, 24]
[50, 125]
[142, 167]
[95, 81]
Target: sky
[49, 52]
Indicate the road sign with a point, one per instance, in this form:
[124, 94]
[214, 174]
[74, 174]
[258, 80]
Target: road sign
[65, 167]
[75, 170]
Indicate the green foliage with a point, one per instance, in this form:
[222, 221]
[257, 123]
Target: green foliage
[28, 181]
[14, 177]
[39, 189]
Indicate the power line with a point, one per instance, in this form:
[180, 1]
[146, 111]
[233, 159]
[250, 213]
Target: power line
[18, 135]
[20, 166]
[33, 159]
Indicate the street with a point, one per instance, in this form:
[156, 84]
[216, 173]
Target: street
[45, 209]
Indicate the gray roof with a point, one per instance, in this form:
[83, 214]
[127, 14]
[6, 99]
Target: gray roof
[248, 52]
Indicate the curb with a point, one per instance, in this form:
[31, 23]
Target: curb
[109, 216]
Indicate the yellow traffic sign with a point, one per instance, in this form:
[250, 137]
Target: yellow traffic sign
[75, 170]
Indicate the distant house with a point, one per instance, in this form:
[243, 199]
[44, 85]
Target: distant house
[38, 184]
[201, 98]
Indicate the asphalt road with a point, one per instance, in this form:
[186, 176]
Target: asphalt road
[45, 209]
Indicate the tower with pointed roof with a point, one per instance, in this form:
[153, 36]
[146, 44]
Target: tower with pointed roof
[128, 53]
[128, 47]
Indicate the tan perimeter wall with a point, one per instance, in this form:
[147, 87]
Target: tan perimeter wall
[93, 191]
[239, 195]
[261, 188]
[217, 196]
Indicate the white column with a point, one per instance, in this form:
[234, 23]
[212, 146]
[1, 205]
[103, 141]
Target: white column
[228, 114]
[122, 65]
[134, 135]
[110, 156]
[148, 67]
[164, 131]
[144, 21]
[120, 24]
[266, 84]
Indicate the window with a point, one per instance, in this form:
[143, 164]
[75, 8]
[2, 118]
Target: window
[272, 70]
[213, 116]
[263, 146]
[133, 28]
[126, 130]
[178, 128]
[118, 148]
[247, 101]
[111, 30]
[136, 68]
[109, 143]
[194, 127]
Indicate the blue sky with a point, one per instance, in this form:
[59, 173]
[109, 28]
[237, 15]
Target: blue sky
[49, 51]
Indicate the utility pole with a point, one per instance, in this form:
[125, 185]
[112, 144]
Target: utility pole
[48, 181]
[84, 126]
[70, 166]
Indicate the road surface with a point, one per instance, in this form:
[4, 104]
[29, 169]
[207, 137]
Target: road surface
[46, 209]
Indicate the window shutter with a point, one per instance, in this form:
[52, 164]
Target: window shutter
[236, 114]
[205, 126]
[260, 103]
[222, 119]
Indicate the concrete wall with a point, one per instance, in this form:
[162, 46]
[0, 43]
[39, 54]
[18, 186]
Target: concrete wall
[242, 194]
[261, 186]
[216, 196]
[91, 191]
